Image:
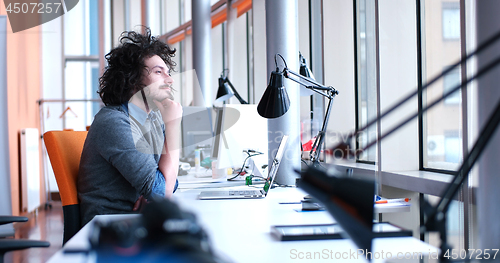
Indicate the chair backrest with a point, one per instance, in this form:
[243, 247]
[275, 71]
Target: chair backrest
[65, 149]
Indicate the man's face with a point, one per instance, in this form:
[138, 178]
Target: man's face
[157, 80]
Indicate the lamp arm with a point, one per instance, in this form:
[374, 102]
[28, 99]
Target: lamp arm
[236, 94]
[316, 85]
[328, 92]
[318, 143]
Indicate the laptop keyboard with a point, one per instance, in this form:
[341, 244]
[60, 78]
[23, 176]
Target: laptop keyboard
[244, 193]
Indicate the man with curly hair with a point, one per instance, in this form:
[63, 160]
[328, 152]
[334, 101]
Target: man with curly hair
[132, 148]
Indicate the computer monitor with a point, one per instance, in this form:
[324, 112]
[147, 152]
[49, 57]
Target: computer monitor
[196, 128]
[242, 128]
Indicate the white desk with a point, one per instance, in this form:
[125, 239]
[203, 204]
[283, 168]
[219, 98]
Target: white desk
[240, 230]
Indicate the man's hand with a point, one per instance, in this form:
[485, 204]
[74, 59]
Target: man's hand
[171, 111]
[139, 204]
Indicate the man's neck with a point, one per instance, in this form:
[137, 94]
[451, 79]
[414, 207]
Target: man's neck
[139, 102]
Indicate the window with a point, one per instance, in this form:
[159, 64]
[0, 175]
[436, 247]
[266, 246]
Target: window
[81, 83]
[454, 225]
[443, 126]
[338, 70]
[366, 79]
[439, 153]
[71, 70]
[237, 52]
[81, 73]
[217, 56]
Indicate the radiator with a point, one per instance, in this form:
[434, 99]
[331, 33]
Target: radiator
[30, 169]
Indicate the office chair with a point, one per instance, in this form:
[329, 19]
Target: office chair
[9, 244]
[64, 149]
[11, 219]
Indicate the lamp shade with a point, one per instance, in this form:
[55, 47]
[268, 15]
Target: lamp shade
[224, 92]
[275, 102]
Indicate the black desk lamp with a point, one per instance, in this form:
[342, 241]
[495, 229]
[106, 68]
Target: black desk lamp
[226, 90]
[275, 102]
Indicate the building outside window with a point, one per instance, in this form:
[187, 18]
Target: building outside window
[451, 20]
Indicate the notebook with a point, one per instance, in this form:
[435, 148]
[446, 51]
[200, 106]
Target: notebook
[249, 194]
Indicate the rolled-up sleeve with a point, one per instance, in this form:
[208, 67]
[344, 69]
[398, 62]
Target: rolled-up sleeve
[158, 187]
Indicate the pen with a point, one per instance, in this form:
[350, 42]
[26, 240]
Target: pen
[400, 200]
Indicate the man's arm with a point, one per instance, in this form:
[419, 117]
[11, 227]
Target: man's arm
[171, 112]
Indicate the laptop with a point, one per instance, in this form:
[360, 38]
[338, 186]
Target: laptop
[251, 194]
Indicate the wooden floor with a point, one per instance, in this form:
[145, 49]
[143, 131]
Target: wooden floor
[46, 224]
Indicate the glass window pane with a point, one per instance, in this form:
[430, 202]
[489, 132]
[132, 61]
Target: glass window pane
[154, 17]
[338, 71]
[187, 63]
[81, 83]
[81, 33]
[238, 58]
[454, 225]
[187, 11]
[442, 127]
[93, 19]
[74, 31]
[398, 79]
[171, 15]
[450, 81]
[178, 78]
[367, 95]
[217, 58]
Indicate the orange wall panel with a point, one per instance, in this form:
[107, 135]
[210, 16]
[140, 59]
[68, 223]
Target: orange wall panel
[23, 91]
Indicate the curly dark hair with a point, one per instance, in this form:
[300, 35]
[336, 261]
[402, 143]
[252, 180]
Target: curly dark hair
[123, 75]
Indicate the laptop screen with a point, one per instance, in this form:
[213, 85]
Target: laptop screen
[273, 170]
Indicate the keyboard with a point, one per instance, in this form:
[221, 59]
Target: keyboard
[253, 192]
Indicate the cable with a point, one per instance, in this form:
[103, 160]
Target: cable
[244, 162]
[257, 176]
[281, 185]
